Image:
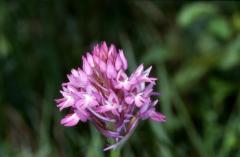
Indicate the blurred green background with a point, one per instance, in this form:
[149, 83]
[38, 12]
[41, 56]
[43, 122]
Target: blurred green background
[194, 49]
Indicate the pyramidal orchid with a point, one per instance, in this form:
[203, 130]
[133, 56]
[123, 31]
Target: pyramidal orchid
[101, 92]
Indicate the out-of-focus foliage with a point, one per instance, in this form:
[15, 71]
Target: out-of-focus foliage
[194, 49]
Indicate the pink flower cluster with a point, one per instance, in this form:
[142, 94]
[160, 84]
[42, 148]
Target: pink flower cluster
[104, 94]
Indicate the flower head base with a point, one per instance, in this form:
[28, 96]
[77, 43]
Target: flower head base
[104, 94]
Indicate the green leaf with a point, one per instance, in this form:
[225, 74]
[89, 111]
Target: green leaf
[232, 55]
[193, 70]
[221, 89]
[156, 54]
[236, 21]
[220, 27]
[4, 46]
[191, 13]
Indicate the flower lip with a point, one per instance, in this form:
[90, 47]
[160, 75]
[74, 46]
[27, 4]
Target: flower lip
[70, 120]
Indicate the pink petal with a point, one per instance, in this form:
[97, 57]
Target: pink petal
[111, 51]
[118, 62]
[96, 59]
[102, 66]
[86, 67]
[74, 73]
[82, 114]
[157, 117]
[129, 100]
[123, 59]
[104, 108]
[65, 103]
[90, 60]
[83, 77]
[147, 72]
[144, 108]
[139, 70]
[113, 98]
[104, 47]
[122, 81]
[70, 120]
[138, 102]
[111, 72]
[96, 50]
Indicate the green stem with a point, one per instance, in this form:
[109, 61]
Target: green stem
[115, 153]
